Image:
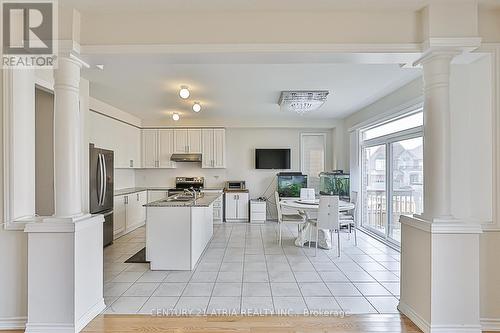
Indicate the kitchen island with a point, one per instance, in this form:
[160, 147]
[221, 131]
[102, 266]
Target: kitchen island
[178, 229]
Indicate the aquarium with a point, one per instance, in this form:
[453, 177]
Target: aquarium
[289, 185]
[332, 183]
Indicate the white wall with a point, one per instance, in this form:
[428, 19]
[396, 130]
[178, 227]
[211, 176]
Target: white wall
[13, 262]
[240, 163]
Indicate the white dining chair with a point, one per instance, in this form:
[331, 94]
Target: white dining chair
[287, 218]
[349, 219]
[328, 218]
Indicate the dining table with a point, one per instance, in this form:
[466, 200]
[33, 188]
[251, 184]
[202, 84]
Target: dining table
[310, 208]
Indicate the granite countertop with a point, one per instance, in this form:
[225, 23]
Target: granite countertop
[130, 190]
[206, 200]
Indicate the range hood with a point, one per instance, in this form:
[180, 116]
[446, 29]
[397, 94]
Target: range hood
[186, 157]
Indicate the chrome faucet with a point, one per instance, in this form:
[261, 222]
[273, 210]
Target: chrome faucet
[192, 192]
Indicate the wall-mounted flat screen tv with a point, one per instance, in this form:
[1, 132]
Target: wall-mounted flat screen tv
[272, 159]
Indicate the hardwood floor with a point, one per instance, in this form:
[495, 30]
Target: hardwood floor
[265, 324]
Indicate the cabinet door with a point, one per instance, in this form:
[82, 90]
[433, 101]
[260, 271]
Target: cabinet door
[243, 206]
[165, 148]
[149, 148]
[119, 215]
[219, 148]
[142, 199]
[194, 140]
[181, 144]
[207, 153]
[231, 202]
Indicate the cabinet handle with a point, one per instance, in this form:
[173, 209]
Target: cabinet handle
[126, 200]
[137, 196]
[131, 163]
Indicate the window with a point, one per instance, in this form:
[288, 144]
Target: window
[312, 157]
[392, 173]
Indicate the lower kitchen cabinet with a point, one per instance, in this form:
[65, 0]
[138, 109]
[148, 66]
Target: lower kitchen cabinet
[236, 204]
[129, 213]
[218, 213]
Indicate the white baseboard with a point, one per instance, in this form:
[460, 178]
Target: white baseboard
[49, 328]
[490, 324]
[414, 317]
[93, 312]
[429, 328]
[13, 323]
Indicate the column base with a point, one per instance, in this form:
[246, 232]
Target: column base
[65, 273]
[440, 274]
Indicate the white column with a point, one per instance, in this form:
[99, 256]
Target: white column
[67, 171]
[437, 145]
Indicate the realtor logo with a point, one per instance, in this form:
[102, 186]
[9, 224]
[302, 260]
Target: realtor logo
[28, 34]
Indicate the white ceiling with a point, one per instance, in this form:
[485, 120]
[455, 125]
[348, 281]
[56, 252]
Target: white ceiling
[238, 87]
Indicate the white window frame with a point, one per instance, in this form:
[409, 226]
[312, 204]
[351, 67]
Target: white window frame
[302, 135]
[386, 140]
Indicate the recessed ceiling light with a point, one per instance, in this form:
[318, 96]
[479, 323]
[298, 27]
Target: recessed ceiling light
[184, 92]
[175, 116]
[196, 107]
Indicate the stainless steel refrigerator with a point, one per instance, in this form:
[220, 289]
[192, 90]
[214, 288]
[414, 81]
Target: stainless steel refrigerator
[101, 188]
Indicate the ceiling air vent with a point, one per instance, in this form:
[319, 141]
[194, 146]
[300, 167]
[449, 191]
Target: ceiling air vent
[302, 101]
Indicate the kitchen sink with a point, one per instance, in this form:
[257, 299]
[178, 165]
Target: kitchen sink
[183, 197]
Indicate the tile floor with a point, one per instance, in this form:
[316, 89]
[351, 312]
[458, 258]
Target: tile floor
[244, 271]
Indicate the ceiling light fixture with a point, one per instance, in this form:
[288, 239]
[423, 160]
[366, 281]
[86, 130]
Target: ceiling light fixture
[196, 107]
[175, 116]
[184, 92]
[302, 101]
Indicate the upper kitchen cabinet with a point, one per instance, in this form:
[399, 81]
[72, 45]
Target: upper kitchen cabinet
[187, 141]
[157, 148]
[165, 148]
[149, 148]
[122, 138]
[214, 148]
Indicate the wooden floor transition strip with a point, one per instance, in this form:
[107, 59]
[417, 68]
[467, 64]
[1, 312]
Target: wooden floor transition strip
[254, 324]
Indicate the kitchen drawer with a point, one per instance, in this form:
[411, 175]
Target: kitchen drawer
[258, 216]
[258, 209]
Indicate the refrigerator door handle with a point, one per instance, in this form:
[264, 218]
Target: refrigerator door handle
[105, 179]
[99, 180]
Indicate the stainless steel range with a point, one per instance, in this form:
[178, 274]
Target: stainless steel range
[184, 183]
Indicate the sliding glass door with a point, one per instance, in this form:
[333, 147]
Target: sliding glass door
[374, 189]
[392, 174]
[407, 182]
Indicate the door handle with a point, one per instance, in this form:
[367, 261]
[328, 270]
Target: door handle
[100, 200]
[105, 183]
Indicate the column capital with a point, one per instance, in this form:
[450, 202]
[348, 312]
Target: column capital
[447, 47]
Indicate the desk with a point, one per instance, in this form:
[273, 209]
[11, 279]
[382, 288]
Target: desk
[312, 208]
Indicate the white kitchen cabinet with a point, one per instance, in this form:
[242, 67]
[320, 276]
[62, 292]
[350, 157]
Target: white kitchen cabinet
[236, 204]
[217, 205]
[129, 213]
[136, 213]
[149, 148]
[214, 148]
[257, 211]
[187, 141]
[194, 141]
[181, 144]
[119, 216]
[157, 147]
[207, 158]
[165, 148]
[123, 139]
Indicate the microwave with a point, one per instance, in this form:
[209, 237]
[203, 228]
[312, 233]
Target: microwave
[235, 185]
